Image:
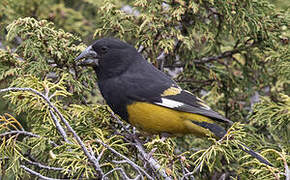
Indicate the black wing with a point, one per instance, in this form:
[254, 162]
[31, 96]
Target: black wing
[187, 102]
[159, 89]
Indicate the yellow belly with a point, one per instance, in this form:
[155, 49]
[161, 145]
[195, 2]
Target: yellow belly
[157, 119]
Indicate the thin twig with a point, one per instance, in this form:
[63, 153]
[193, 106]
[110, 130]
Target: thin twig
[225, 54]
[27, 134]
[122, 172]
[100, 155]
[120, 162]
[20, 132]
[151, 161]
[44, 166]
[208, 59]
[157, 167]
[214, 58]
[37, 174]
[287, 170]
[120, 122]
[59, 127]
[134, 165]
[186, 172]
[160, 59]
[191, 173]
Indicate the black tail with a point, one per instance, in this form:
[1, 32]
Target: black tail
[254, 154]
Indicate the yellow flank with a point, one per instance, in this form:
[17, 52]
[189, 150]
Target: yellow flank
[156, 119]
[171, 91]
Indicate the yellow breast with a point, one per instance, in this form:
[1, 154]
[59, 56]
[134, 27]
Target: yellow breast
[157, 119]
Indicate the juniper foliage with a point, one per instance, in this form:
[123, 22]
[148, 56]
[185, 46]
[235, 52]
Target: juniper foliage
[54, 123]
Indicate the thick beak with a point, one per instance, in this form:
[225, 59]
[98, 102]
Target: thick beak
[90, 58]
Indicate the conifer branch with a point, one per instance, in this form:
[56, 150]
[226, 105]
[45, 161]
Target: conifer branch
[59, 127]
[287, 171]
[90, 156]
[209, 59]
[122, 172]
[44, 166]
[189, 174]
[156, 166]
[214, 58]
[232, 46]
[30, 171]
[47, 100]
[19, 132]
[26, 134]
[146, 156]
[127, 160]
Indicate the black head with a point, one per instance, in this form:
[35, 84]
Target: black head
[109, 57]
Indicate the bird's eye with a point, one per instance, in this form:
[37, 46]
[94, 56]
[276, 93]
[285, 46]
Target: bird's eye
[104, 49]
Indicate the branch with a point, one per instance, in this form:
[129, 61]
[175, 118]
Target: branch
[160, 59]
[207, 59]
[214, 58]
[59, 127]
[20, 132]
[90, 156]
[135, 166]
[122, 172]
[186, 173]
[44, 166]
[34, 163]
[191, 173]
[47, 100]
[287, 172]
[151, 160]
[37, 174]
[27, 134]
[154, 164]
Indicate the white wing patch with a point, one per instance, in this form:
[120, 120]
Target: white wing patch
[169, 103]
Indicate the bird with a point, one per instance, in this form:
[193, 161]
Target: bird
[147, 98]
